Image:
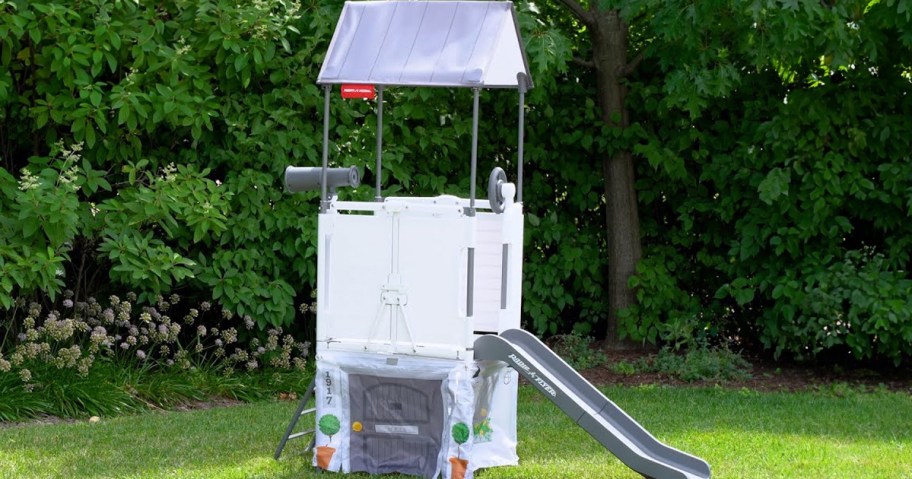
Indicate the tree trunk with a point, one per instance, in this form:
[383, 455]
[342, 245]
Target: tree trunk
[609, 43]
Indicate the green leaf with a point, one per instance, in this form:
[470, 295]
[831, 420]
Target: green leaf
[744, 296]
[90, 137]
[775, 184]
[30, 226]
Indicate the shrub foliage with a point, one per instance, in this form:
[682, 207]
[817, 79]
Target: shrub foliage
[142, 145]
[775, 190]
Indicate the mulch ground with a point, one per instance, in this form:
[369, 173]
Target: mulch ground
[765, 375]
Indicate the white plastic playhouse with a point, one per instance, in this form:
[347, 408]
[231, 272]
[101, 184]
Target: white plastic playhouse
[419, 347]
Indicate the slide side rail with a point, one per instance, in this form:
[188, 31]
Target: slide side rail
[589, 408]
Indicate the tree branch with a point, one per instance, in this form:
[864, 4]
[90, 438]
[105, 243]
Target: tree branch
[579, 12]
[632, 64]
[583, 62]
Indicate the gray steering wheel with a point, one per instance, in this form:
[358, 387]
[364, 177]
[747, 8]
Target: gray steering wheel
[495, 190]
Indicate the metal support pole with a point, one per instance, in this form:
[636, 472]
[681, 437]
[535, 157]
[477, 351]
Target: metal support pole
[504, 272]
[378, 172]
[470, 273]
[474, 172]
[324, 200]
[521, 77]
[302, 409]
[470, 286]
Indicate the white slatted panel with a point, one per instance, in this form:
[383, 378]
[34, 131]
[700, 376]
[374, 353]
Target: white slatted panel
[488, 265]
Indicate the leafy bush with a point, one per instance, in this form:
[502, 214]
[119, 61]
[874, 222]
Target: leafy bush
[665, 312]
[624, 367]
[577, 351]
[860, 305]
[173, 123]
[146, 138]
[699, 364]
[765, 170]
[142, 146]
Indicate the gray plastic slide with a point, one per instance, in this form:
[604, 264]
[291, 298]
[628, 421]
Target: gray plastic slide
[588, 407]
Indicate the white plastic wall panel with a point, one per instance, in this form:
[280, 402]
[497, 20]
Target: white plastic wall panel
[355, 267]
[353, 264]
[488, 272]
[512, 221]
[494, 231]
[438, 43]
[432, 265]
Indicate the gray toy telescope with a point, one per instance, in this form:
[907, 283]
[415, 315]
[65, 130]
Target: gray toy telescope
[307, 178]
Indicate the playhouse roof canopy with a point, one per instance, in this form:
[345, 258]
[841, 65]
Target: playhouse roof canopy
[426, 43]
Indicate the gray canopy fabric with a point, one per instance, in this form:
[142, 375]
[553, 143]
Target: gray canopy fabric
[426, 43]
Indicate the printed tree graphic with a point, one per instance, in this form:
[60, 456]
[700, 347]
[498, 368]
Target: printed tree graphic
[329, 425]
[460, 434]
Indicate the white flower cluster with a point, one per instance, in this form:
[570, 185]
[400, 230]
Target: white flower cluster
[182, 47]
[28, 181]
[169, 173]
[85, 330]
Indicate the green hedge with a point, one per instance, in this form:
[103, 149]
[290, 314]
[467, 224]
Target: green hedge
[143, 146]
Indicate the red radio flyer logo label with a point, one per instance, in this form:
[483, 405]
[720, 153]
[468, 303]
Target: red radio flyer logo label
[366, 92]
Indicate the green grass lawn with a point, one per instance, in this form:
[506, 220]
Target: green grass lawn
[742, 434]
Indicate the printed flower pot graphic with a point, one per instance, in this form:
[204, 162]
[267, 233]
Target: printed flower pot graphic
[458, 469]
[328, 425]
[460, 433]
[324, 456]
